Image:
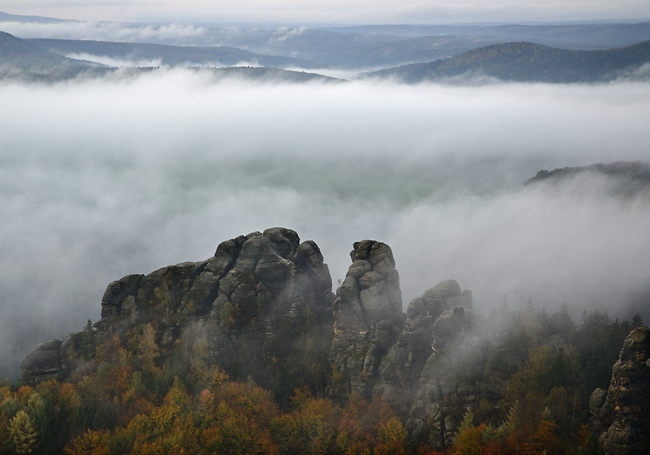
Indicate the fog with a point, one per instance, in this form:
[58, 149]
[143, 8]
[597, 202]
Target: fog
[107, 31]
[107, 177]
[116, 62]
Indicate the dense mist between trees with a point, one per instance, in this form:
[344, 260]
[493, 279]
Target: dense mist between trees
[100, 178]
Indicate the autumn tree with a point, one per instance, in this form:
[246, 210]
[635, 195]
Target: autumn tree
[22, 433]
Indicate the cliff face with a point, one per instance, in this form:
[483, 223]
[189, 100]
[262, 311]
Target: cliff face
[262, 308]
[367, 319]
[622, 411]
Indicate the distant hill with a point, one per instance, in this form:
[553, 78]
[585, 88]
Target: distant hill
[398, 51]
[566, 36]
[527, 62]
[241, 73]
[169, 55]
[627, 177]
[23, 60]
[265, 74]
[5, 17]
[345, 47]
[17, 55]
[384, 46]
[636, 170]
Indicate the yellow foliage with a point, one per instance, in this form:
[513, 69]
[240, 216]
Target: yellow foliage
[90, 443]
[22, 433]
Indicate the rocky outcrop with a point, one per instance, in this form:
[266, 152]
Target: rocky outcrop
[262, 308]
[368, 319]
[622, 412]
[449, 383]
[44, 362]
[431, 374]
[401, 368]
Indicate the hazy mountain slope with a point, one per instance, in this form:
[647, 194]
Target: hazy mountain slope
[21, 59]
[627, 178]
[528, 62]
[16, 55]
[5, 17]
[406, 50]
[355, 47]
[575, 36]
[356, 52]
[567, 36]
[387, 45]
[265, 74]
[168, 55]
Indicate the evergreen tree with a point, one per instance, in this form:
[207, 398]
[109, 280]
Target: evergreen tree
[88, 341]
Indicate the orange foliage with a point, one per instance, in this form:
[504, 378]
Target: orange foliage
[469, 442]
[537, 440]
[585, 433]
[393, 438]
[427, 450]
[23, 392]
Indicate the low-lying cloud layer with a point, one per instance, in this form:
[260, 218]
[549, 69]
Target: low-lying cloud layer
[103, 178]
[116, 62]
[107, 31]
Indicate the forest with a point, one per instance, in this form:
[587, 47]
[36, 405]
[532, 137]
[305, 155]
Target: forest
[120, 398]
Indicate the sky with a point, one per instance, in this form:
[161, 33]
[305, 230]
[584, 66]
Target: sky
[108, 177]
[332, 11]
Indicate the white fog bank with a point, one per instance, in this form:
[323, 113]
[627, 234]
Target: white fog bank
[103, 178]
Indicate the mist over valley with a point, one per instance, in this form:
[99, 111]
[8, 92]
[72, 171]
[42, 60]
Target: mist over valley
[292, 236]
[106, 177]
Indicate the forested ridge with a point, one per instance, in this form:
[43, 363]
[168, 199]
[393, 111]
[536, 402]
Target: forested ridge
[121, 398]
[528, 62]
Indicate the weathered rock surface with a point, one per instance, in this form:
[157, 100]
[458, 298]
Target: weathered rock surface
[401, 368]
[431, 374]
[449, 383]
[623, 412]
[44, 362]
[262, 307]
[368, 319]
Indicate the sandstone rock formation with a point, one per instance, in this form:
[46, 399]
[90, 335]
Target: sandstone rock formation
[623, 411]
[262, 307]
[430, 374]
[367, 319]
[263, 304]
[401, 368]
[44, 362]
[449, 382]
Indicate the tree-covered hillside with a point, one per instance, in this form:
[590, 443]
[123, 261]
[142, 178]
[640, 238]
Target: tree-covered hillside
[168, 55]
[528, 62]
[250, 352]
[121, 397]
